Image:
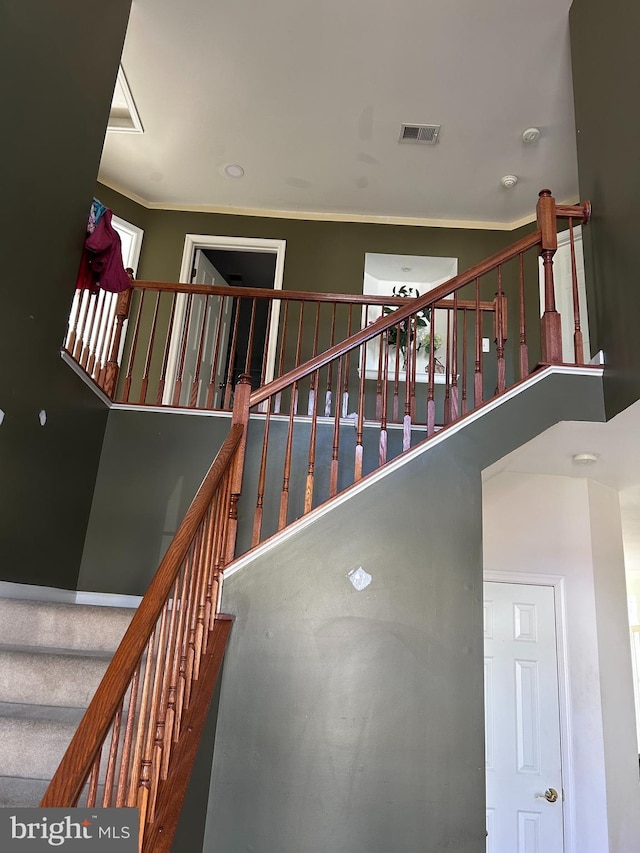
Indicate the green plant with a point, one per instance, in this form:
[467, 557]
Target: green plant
[402, 334]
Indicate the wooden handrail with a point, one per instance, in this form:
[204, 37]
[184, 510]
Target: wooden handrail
[443, 290]
[285, 295]
[67, 783]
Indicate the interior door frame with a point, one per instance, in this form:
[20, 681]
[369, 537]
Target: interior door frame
[557, 582]
[231, 244]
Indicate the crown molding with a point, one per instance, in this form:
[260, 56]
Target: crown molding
[323, 216]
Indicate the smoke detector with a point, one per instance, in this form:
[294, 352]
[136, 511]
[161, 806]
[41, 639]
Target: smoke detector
[425, 134]
[531, 135]
[509, 181]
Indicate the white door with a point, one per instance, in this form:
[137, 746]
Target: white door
[522, 720]
[209, 319]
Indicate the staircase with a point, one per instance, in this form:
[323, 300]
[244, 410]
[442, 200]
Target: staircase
[52, 658]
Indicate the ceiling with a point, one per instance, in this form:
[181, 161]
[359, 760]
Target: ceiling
[309, 98]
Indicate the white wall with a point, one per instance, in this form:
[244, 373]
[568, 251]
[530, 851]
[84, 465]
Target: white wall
[570, 527]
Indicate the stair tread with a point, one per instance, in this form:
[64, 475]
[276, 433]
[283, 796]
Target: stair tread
[54, 651]
[44, 713]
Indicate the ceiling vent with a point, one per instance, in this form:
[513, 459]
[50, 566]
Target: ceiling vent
[425, 134]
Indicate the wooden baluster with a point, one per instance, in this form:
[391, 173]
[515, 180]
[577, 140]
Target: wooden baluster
[195, 385]
[208, 561]
[411, 389]
[221, 540]
[152, 753]
[329, 391]
[257, 518]
[382, 442]
[308, 492]
[454, 407]
[447, 372]
[409, 381]
[295, 388]
[252, 327]
[103, 339]
[232, 356]
[276, 408]
[265, 357]
[132, 351]
[165, 355]
[212, 390]
[83, 307]
[500, 332]
[345, 387]
[357, 472]
[578, 343]
[174, 668]
[127, 743]
[477, 376]
[96, 331]
[524, 350]
[431, 404]
[286, 475]
[240, 416]
[333, 470]
[135, 788]
[177, 388]
[113, 366]
[167, 704]
[93, 780]
[90, 319]
[147, 362]
[74, 318]
[107, 795]
[551, 324]
[396, 373]
[313, 379]
[464, 362]
[381, 342]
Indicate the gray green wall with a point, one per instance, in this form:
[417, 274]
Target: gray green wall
[59, 63]
[353, 721]
[606, 79]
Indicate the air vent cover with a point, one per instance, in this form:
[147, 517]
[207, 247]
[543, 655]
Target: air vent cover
[424, 134]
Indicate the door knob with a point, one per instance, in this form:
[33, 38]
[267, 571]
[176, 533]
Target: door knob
[550, 795]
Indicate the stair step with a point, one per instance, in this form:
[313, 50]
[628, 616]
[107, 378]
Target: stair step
[33, 748]
[62, 626]
[34, 677]
[18, 791]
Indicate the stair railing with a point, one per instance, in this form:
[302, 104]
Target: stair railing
[136, 743]
[419, 367]
[413, 371]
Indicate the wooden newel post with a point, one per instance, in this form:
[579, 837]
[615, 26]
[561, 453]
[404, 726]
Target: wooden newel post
[551, 324]
[112, 367]
[242, 392]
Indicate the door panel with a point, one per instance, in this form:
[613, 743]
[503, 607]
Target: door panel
[522, 720]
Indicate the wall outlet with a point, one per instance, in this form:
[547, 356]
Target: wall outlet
[486, 346]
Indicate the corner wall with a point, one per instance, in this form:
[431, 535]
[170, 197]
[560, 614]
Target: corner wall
[59, 63]
[606, 79]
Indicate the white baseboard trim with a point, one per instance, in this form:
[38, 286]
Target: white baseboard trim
[30, 592]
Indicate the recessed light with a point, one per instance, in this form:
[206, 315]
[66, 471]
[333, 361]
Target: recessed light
[509, 181]
[586, 458]
[233, 170]
[531, 135]
[406, 269]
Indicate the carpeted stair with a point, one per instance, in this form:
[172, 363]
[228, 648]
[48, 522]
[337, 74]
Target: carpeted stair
[52, 657]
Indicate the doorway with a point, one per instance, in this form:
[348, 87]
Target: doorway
[523, 721]
[227, 261]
